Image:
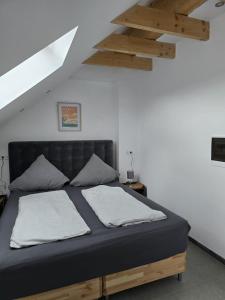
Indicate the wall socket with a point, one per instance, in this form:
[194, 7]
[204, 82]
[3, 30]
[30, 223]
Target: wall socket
[3, 185]
[128, 152]
[2, 188]
[4, 157]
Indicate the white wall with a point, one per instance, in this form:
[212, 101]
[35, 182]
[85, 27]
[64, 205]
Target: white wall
[179, 107]
[128, 130]
[40, 122]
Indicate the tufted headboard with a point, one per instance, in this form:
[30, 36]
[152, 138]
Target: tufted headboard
[68, 156]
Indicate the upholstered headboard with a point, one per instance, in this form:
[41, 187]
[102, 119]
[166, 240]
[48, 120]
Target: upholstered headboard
[68, 156]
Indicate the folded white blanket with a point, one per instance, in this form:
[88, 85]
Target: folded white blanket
[46, 217]
[115, 207]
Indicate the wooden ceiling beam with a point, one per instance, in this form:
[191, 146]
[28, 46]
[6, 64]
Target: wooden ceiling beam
[142, 33]
[173, 7]
[137, 46]
[183, 7]
[159, 21]
[113, 59]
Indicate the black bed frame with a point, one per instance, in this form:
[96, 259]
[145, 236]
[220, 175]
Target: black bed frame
[68, 156]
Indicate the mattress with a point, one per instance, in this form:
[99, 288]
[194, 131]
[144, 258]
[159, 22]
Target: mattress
[44, 267]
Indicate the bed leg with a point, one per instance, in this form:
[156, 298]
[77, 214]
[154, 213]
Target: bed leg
[180, 276]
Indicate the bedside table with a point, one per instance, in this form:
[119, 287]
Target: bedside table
[3, 199]
[138, 187]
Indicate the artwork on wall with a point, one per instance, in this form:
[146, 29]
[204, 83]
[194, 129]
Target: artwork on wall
[69, 116]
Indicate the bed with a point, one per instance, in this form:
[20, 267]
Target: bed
[87, 267]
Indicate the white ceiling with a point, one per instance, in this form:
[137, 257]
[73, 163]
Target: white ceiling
[27, 26]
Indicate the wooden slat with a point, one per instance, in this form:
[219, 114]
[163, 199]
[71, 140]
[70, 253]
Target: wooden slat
[184, 7]
[160, 21]
[144, 274]
[112, 59]
[142, 33]
[88, 290]
[137, 46]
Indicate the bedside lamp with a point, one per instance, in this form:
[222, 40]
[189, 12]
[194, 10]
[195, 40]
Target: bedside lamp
[130, 176]
[130, 173]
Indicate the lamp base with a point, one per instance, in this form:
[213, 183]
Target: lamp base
[130, 177]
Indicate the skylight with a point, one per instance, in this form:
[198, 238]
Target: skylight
[26, 75]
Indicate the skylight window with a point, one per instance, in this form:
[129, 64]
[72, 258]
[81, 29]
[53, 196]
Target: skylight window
[26, 75]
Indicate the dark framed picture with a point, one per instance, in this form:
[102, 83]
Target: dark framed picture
[69, 116]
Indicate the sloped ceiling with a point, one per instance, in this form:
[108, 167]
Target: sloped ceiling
[27, 26]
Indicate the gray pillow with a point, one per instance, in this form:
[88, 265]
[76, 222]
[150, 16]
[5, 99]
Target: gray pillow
[95, 172]
[41, 175]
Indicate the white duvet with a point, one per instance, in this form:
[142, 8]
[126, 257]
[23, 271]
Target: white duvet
[46, 217]
[115, 207]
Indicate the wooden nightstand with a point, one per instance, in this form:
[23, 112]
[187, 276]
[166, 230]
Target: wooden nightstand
[138, 187]
[3, 199]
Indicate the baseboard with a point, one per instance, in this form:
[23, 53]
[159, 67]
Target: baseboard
[210, 252]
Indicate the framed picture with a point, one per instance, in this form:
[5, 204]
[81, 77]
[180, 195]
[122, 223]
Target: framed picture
[69, 116]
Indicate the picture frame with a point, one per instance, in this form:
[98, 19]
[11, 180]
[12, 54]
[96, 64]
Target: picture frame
[69, 116]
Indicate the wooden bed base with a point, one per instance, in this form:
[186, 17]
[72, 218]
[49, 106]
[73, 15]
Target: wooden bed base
[87, 290]
[124, 280]
[114, 283]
